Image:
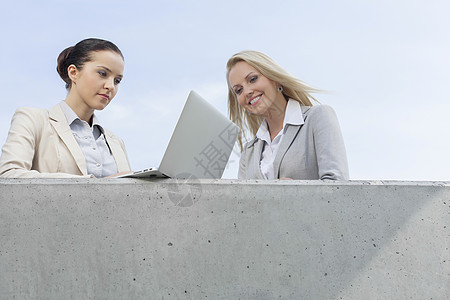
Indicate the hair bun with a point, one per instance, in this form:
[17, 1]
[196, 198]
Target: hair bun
[62, 65]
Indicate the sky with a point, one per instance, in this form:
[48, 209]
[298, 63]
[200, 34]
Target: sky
[384, 67]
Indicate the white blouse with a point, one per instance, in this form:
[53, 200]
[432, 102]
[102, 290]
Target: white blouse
[99, 159]
[292, 116]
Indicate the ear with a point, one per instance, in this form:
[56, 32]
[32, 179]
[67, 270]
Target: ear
[73, 72]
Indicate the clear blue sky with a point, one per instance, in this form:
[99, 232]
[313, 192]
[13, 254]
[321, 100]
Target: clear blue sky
[385, 65]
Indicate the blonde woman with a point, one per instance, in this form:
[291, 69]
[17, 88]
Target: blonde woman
[292, 138]
[67, 140]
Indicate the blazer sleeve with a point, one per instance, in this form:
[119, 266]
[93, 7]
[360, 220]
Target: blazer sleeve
[329, 144]
[18, 152]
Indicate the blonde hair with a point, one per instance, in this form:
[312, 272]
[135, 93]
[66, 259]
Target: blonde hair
[293, 88]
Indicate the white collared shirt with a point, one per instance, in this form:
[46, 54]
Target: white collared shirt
[99, 159]
[292, 116]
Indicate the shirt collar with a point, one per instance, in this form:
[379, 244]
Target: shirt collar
[71, 116]
[292, 116]
[68, 112]
[263, 132]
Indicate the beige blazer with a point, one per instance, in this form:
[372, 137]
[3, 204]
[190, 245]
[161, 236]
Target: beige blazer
[41, 144]
[312, 150]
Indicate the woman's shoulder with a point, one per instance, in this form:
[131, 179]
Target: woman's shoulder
[318, 108]
[318, 111]
[32, 110]
[31, 113]
[29, 120]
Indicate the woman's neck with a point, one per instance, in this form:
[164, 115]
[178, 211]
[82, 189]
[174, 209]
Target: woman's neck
[83, 111]
[275, 117]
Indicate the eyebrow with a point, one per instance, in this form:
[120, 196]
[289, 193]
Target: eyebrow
[107, 69]
[246, 77]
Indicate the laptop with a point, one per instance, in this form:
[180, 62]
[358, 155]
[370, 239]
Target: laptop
[200, 145]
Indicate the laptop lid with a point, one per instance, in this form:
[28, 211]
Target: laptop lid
[201, 143]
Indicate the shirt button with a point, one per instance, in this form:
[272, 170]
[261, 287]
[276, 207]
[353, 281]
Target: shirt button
[98, 165]
[93, 148]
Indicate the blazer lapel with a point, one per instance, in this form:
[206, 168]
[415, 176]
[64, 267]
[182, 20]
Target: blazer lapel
[117, 152]
[288, 138]
[59, 122]
[256, 157]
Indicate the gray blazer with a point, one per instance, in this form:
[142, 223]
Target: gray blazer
[312, 150]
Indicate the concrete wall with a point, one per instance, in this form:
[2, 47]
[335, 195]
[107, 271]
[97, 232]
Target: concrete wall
[137, 239]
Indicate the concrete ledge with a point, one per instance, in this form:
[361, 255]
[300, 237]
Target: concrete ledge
[223, 239]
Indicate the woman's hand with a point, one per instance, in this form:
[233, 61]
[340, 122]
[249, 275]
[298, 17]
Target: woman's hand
[120, 173]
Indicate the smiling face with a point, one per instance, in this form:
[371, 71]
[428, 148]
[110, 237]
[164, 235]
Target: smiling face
[255, 92]
[97, 82]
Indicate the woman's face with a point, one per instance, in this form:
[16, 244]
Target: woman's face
[254, 92]
[97, 82]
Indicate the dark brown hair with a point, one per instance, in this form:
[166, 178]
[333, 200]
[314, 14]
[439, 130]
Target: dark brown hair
[79, 54]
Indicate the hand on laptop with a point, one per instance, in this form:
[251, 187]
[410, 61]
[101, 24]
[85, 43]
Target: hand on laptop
[118, 174]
